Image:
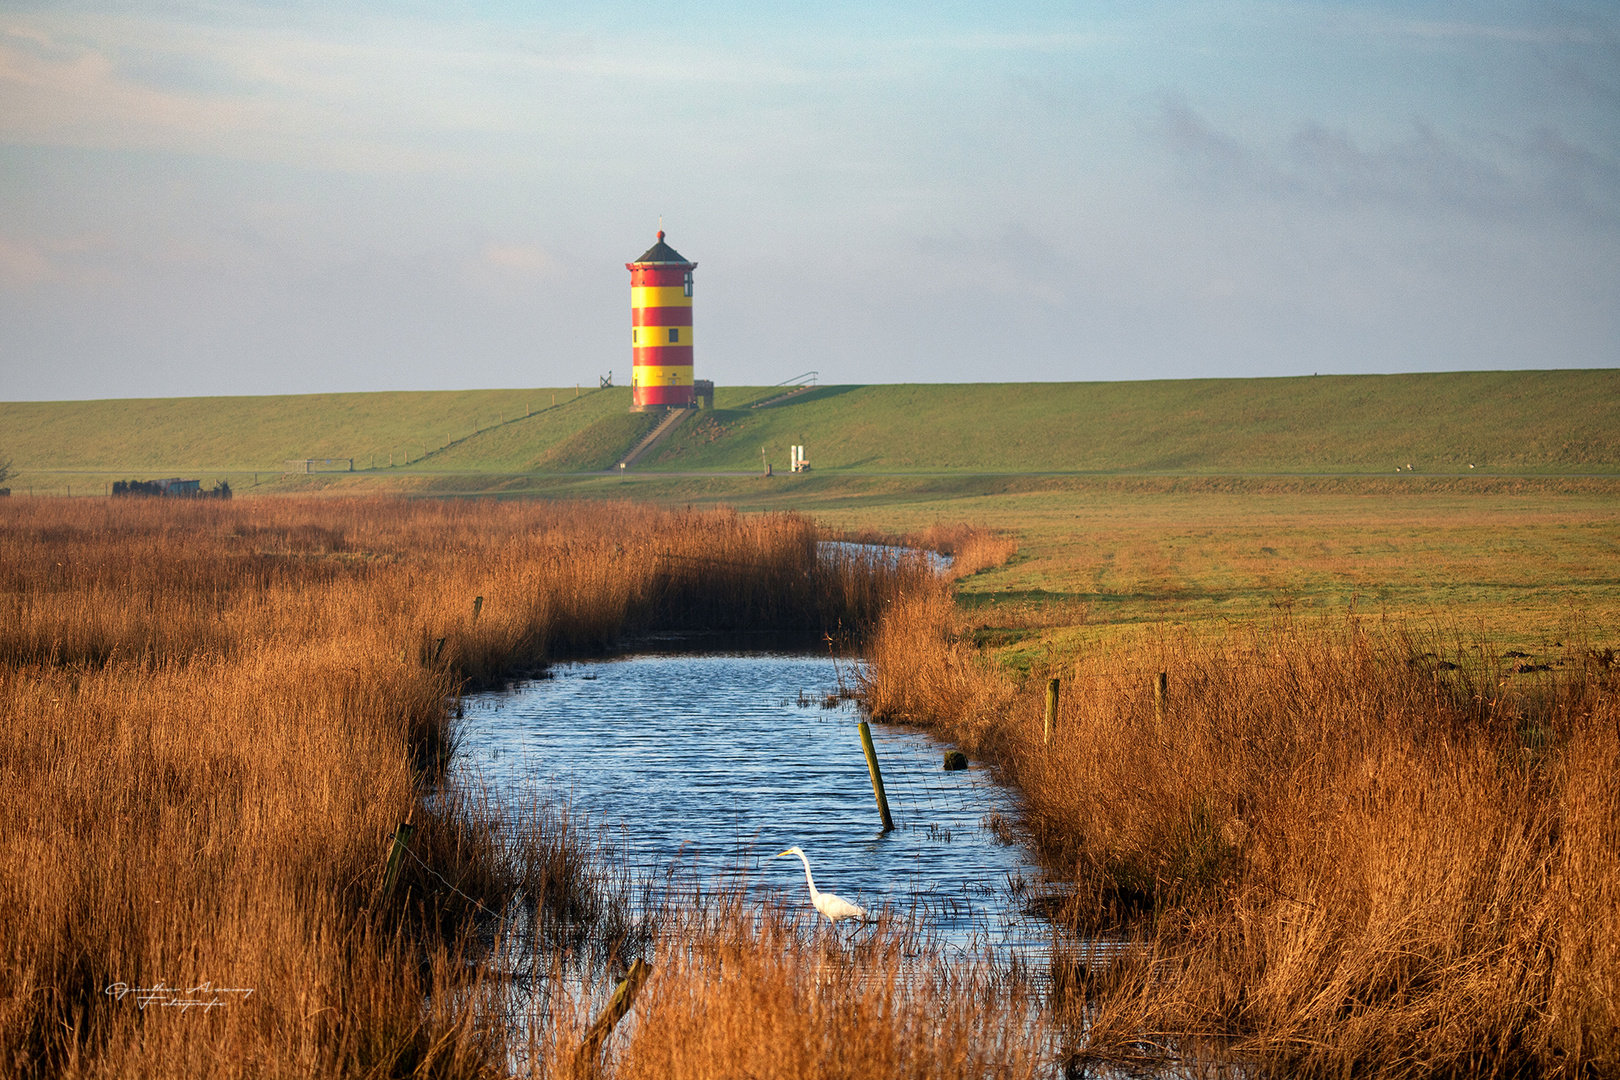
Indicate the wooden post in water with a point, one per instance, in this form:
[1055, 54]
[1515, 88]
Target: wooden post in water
[396, 855]
[1051, 709]
[624, 996]
[877, 776]
[1161, 695]
[478, 605]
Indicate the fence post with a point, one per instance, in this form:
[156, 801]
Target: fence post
[1051, 709]
[478, 605]
[396, 855]
[1161, 695]
[877, 776]
[624, 996]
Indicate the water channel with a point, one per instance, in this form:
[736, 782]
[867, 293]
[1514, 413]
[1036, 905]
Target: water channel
[707, 765]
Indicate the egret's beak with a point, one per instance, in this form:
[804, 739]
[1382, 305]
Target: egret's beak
[779, 854]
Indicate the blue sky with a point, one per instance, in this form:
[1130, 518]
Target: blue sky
[281, 198]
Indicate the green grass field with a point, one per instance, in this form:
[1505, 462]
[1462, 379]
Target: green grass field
[1561, 422]
[246, 434]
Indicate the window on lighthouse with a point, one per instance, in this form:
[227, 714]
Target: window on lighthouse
[674, 334]
[688, 283]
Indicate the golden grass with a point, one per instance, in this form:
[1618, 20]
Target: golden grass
[737, 990]
[1342, 849]
[214, 715]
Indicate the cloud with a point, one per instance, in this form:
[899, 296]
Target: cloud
[1057, 41]
[508, 272]
[515, 264]
[23, 264]
[1580, 180]
[526, 259]
[1423, 169]
[59, 93]
[1012, 262]
[126, 85]
[385, 94]
[1216, 156]
[1541, 33]
[1542, 173]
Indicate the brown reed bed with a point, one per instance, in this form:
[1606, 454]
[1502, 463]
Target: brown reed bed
[214, 715]
[1340, 849]
[742, 990]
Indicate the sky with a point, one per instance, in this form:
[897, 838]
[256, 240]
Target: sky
[223, 198]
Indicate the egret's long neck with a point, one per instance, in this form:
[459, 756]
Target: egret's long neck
[808, 880]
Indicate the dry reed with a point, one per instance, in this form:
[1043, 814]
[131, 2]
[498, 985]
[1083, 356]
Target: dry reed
[214, 715]
[1336, 852]
[737, 990]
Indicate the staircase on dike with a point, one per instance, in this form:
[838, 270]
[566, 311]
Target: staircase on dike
[669, 423]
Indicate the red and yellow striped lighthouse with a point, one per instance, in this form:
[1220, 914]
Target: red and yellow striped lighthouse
[661, 328]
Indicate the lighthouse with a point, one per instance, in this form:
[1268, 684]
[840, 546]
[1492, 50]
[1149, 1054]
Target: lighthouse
[661, 329]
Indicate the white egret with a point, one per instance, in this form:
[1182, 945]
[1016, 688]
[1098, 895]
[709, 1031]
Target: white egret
[834, 907]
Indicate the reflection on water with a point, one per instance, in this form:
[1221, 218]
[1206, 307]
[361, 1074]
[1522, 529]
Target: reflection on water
[883, 554]
[714, 763]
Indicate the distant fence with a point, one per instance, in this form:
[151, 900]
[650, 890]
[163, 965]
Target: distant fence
[315, 465]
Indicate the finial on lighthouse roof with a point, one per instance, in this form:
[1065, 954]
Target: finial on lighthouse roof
[662, 253]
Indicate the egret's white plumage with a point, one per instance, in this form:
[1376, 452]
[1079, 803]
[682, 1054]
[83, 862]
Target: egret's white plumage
[834, 907]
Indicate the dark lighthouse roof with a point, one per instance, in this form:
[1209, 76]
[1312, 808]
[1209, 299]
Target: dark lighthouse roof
[663, 253]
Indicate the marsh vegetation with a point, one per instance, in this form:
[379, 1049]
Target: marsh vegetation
[1340, 848]
[1337, 847]
[215, 715]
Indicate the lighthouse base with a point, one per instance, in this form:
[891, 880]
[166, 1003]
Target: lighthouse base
[650, 398]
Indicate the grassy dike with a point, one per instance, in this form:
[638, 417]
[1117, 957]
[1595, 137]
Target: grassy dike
[1558, 422]
[1512, 421]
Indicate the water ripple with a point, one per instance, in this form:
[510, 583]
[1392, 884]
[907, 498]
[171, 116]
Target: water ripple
[711, 764]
